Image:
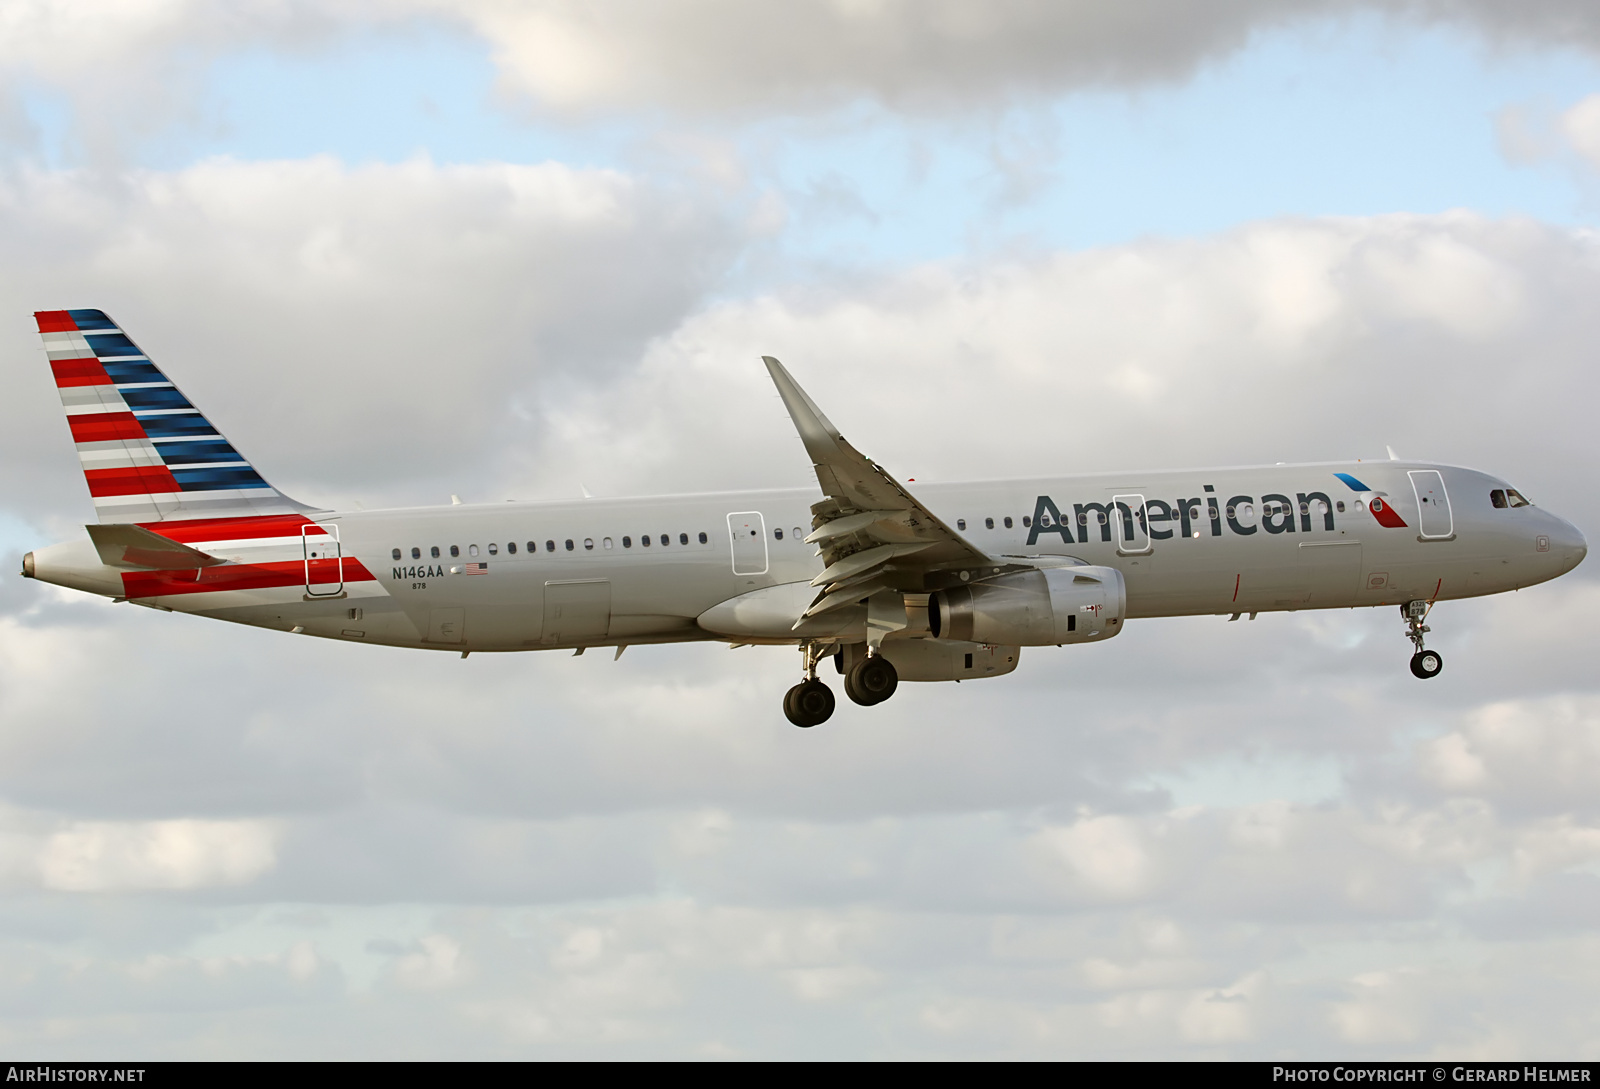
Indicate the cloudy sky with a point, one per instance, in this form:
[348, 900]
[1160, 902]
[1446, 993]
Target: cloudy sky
[400, 249]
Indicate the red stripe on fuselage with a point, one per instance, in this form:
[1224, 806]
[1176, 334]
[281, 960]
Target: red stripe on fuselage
[138, 480]
[1386, 515]
[190, 530]
[79, 372]
[104, 427]
[241, 576]
[55, 321]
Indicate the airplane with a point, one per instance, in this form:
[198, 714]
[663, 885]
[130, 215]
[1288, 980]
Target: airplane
[946, 585]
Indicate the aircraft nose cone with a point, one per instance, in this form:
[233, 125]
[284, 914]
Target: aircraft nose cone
[1578, 546]
[1568, 542]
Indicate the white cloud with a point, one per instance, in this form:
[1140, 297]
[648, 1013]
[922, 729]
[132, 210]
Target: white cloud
[1581, 126]
[104, 856]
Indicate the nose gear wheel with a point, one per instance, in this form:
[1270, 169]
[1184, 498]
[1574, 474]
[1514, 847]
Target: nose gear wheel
[1425, 663]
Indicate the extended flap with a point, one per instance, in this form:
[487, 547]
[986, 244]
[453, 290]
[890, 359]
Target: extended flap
[127, 545]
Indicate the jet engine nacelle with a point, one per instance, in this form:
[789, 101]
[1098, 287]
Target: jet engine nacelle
[1035, 608]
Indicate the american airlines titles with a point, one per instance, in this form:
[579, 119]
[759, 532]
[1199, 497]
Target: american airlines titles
[1304, 513]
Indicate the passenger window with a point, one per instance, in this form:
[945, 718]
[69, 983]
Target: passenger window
[511, 547]
[434, 551]
[777, 534]
[1339, 506]
[683, 538]
[549, 546]
[606, 543]
[1027, 520]
[1497, 498]
[645, 540]
[665, 540]
[1514, 498]
[569, 544]
[988, 523]
[703, 538]
[397, 553]
[1083, 517]
[627, 542]
[1008, 521]
[455, 550]
[494, 550]
[961, 523]
[588, 544]
[472, 550]
[798, 535]
[416, 553]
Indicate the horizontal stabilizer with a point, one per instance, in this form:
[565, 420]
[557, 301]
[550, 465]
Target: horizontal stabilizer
[127, 545]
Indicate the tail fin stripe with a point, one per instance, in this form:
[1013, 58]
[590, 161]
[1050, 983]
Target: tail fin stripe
[55, 321]
[148, 398]
[139, 480]
[79, 372]
[193, 451]
[200, 480]
[89, 319]
[113, 344]
[122, 370]
[104, 427]
[166, 427]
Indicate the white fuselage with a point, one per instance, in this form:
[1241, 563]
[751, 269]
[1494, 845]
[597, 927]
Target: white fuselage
[1208, 541]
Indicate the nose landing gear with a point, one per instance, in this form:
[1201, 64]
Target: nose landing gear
[809, 703]
[1425, 663]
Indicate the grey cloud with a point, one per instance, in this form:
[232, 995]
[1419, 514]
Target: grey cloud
[131, 71]
[723, 57]
[370, 317]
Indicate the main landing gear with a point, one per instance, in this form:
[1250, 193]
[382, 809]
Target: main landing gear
[1425, 663]
[810, 703]
[873, 680]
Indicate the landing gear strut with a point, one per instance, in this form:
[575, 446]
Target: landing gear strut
[1425, 663]
[809, 703]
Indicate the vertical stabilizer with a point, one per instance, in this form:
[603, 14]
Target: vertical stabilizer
[148, 454]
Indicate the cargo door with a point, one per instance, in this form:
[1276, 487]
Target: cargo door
[576, 612]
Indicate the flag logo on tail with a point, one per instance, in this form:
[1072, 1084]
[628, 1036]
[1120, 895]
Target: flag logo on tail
[147, 452]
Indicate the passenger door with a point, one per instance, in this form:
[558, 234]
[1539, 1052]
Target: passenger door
[324, 560]
[1434, 518]
[747, 533]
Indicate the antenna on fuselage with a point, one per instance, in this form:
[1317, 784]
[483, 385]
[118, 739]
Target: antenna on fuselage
[1392, 455]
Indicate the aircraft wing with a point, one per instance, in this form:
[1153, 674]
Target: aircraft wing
[871, 532]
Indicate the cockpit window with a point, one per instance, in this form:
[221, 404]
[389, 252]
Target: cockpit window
[1497, 498]
[1514, 498]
